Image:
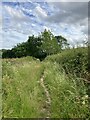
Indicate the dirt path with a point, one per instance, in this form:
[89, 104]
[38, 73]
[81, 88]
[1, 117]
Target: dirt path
[48, 101]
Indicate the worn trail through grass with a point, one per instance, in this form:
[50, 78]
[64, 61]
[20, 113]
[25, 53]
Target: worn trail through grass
[34, 89]
[24, 92]
[48, 101]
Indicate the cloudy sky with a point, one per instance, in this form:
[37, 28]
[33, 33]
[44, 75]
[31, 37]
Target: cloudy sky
[22, 19]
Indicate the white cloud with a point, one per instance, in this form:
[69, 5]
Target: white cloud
[47, 28]
[33, 25]
[74, 12]
[11, 38]
[66, 19]
[72, 17]
[0, 15]
[67, 0]
[40, 13]
[15, 14]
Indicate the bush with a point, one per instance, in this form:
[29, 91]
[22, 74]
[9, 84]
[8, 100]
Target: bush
[74, 61]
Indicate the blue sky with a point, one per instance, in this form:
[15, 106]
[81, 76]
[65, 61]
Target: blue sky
[22, 19]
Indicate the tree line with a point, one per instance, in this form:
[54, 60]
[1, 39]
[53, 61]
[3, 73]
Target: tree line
[41, 46]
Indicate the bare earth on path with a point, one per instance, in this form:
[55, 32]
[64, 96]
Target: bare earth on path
[48, 101]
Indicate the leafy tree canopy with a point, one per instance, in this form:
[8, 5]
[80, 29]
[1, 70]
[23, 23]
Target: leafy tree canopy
[45, 44]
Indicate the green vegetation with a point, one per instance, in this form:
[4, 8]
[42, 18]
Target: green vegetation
[64, 77]
[69, 97]
[41, 46]
[74, 61]
[44, 78]
[22, 93]
[0, 53]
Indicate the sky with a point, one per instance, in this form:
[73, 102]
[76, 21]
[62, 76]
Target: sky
[26, 18]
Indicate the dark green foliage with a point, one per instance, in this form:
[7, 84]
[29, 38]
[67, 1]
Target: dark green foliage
[0, 53]
[45, 44]
[33, 47]
[74, 61]
[8, 54]
[19, 50]
[62, 42]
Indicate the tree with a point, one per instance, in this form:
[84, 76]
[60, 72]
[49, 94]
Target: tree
[8, 54]
[63, 44]
[49, 43]
[20, 50]
[45, 44]
[33, 46]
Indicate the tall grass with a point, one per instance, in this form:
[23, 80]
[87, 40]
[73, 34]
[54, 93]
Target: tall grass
[64, 74]
[69, 97]
[22, 94]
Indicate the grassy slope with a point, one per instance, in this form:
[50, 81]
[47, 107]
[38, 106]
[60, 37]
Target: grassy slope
[23, 95]
[68, 95]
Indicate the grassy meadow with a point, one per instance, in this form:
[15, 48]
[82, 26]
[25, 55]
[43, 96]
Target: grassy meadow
[64, 78]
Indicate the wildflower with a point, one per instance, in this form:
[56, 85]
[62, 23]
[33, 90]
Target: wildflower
[83, 102]
[86, 96]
